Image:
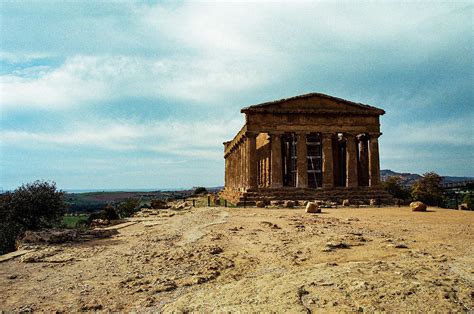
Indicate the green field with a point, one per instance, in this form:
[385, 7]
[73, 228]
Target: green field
[71, 221]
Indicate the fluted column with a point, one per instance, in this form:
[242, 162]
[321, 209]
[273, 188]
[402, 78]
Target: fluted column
[328, 164]
[276, 173]
[374, 160]
[351, 161]
[251, 158]
[302, 161]
[363, 170]
[241, 164]
[226, 171]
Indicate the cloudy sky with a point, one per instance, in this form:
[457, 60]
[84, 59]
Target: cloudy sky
[141, 94]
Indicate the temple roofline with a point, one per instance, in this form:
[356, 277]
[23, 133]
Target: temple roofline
[259, 107]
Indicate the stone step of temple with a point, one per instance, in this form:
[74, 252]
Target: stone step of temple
[355, 195]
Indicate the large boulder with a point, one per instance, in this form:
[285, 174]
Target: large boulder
[312, 208]
[418, 206]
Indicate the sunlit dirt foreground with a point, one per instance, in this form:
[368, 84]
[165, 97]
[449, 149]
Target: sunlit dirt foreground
[257, 260]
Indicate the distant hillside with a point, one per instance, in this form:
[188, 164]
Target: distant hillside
[408, 179]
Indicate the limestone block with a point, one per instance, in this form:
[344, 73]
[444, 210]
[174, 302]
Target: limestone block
[312, 208]
[418, 206]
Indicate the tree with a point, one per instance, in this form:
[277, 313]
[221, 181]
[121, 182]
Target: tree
[392, 186]
[31, 206]
[200, 190]
[128, 208]
[469, 200]
[428, 189]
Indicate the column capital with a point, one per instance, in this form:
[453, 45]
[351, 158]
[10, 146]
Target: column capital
[374, 135]
[249, 134]
[361, 136]
[275, 134]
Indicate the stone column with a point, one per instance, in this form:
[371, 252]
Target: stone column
[328, 163]
[351, 161]
[363, 164]
[302, 161]
[374, 161]
[251, 164]
[276, 173]
[241, 165]
[226, 172]
[230, 168]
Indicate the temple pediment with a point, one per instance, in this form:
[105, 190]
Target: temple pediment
[313, 103]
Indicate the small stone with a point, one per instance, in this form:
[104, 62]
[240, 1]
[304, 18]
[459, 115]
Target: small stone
[401, 246]
[166, 286]
[14, 276]
[289, 204]
[260, 204]
[346, 203]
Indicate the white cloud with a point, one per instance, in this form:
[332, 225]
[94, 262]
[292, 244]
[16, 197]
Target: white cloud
[91, 80]
[459, 132]
[182, 139]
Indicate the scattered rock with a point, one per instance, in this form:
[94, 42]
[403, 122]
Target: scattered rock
[289, 204]
[159, 204]
[276, 203]
[215, 250]
[165, 286]
[260, 204]
[337, 245]
[48, 236]
[312, 208]
[94, 305]
[400, 246]
[99, 223]
[418, 206]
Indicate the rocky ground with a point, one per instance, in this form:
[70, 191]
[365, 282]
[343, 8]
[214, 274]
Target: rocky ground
[256, 260]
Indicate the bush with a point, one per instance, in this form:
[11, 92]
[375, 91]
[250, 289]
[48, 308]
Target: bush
[428, 189]
[128, 208]
[469, 200]
[31, 206]
[200, 190]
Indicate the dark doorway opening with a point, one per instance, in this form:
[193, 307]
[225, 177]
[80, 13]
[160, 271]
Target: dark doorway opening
[340, 162]
[288, 149]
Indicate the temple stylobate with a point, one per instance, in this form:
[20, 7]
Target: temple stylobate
[306, 147]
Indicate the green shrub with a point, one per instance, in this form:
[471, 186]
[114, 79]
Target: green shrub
[469, 200]
[200, 190]
[128, 208]
[31, 206]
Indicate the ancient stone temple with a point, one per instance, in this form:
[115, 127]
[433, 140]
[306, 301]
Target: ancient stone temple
[307, 147]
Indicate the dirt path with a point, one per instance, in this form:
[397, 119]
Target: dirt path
[257, 260]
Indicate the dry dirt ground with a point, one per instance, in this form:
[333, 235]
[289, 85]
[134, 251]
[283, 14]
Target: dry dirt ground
[257, 260]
